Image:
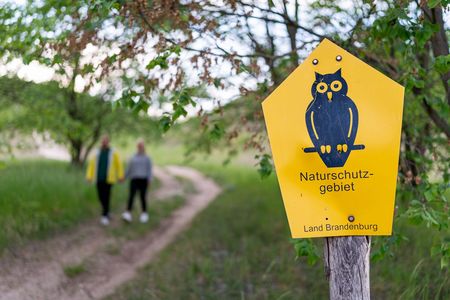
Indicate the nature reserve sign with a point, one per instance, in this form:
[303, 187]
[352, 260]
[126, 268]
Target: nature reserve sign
[334, 128]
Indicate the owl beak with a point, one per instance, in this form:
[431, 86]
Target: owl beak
[329, 95]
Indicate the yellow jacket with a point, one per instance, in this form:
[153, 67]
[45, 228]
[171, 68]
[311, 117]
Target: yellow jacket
[115, 168]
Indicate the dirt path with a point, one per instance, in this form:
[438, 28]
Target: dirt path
[37, 272]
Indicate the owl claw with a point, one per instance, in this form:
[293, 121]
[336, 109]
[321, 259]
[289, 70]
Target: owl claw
[344, 147]
[325, 149]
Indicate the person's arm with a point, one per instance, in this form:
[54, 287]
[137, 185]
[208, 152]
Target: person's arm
[149, 170]
[90, 170]
[128, 169]
[119, 167]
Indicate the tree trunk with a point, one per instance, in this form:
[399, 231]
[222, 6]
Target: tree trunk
[347, 267]
[439, 42]
[76, 146]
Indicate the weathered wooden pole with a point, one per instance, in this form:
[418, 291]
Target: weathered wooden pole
[347, 267]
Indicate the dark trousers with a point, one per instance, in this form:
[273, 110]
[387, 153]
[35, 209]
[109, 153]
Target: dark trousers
[138, 184]
[104, 194]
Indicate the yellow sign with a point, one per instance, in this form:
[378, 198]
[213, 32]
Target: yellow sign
[334, 128]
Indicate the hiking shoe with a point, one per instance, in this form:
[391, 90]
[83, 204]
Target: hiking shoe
[127, 217]
[144, 217]
[104, 221]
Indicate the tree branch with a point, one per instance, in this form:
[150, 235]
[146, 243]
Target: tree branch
[359, 23]
[287, 20]
[439, 42]
[225, 53]
[438, 121]
[94, 139]
[424, 60]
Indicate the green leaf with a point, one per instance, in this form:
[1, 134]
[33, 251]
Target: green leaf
[57, 59]
[116, 5]
[263, 87]
[178, 111]
[425, 33]
[428, 194]
[433, 3]
[435, 250]
[141, 105]
[176, 49]
[442, 64]
[112, 58]
[133, 93]
[88, 68]
[185, 98]
[243, 69]
[265, 165]
[217, 132]
[216, 82]
[160, 60]
[165, 123]
[445, 261]
[306, 248]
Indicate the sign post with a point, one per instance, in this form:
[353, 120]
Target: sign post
[334, 127]
[347, 267]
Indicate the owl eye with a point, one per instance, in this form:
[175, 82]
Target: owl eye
[322, 87]
[336, 86]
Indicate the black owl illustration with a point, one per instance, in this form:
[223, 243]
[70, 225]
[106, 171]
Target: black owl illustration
[332, 120]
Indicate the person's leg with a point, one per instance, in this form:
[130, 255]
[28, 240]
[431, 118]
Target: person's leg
[103, 190]
[101, 195]
[107, 199]
[143, 194]
[126, 215]
[133, 189]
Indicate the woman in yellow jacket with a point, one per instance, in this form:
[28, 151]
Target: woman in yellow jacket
[105, 169]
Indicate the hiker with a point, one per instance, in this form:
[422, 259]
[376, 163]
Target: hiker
[105, 169]
[139, 171]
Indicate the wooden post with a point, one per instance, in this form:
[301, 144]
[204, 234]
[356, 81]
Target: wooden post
[347, 267]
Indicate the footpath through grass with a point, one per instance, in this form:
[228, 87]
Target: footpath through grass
[239, 248]
[40, 198]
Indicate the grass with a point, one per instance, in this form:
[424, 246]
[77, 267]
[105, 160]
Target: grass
[40, 198]
[188, 186]
[235, 249]
[73, 271]
[239, 248]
